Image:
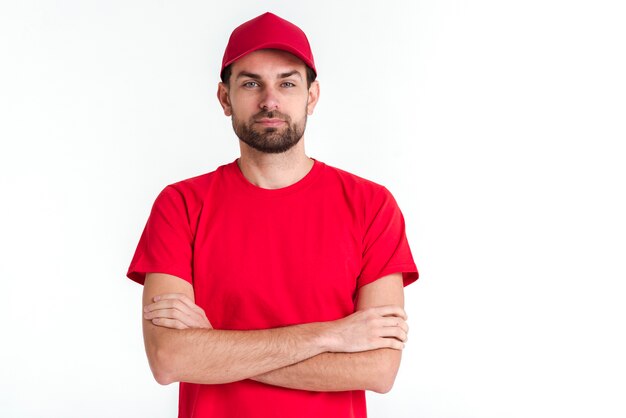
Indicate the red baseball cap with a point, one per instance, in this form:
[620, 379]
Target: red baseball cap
[268, 31]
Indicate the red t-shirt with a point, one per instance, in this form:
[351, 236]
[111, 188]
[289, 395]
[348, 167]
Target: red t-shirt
[260, 258]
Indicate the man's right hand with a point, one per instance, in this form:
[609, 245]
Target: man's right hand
[369, 329]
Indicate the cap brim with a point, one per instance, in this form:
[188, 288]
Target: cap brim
[275, 45]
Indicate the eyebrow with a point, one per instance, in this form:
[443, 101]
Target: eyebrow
[290, 73]
[258, 77]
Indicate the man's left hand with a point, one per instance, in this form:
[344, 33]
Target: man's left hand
[175, 310]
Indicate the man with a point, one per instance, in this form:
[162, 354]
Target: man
[273, 286]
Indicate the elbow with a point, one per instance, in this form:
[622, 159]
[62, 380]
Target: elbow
[170, 362]
[161, 365]
[163, 377]
[383, 386]
[387, 370]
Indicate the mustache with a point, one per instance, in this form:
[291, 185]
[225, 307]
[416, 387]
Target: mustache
[271, 114]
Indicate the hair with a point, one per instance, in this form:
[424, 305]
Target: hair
[228, 70]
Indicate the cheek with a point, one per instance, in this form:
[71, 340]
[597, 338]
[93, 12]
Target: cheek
[299, 104]
[242, 110]
[243, 100]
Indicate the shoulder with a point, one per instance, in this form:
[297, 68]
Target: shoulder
[367, 199]
[196, 187]
[189, 194]
[354, 185]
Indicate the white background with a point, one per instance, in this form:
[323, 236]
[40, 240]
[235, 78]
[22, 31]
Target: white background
[499, 126]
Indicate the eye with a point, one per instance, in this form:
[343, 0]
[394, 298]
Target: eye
[288, 84]
[250, 84]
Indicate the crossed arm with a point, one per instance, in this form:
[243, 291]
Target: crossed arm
[361, 351]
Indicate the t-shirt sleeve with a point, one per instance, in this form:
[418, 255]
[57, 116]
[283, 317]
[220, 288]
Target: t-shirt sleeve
[165, 245]
[385, 245]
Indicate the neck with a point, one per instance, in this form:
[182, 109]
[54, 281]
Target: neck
[274, 171]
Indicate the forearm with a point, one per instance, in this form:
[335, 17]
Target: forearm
[210, 356]
[204, 355]
[369, 370]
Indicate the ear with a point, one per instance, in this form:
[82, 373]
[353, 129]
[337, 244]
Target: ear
[222, 96]
[314, 95]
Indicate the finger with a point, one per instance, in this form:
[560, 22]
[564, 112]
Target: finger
[169, 304]
[394, 332]
[392, 343]
[391, 310]
[405, 341]
[169, 314]
[175, 296]
[169, 323]
[394, 321]
[382, 311]
[183, 298]
[158, 305]
[194, 321]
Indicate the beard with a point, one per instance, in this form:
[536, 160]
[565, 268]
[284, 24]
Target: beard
[270, 140]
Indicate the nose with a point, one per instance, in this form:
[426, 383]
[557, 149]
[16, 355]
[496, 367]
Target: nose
[269, 99]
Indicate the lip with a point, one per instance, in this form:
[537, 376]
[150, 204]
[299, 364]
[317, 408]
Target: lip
[270, 122]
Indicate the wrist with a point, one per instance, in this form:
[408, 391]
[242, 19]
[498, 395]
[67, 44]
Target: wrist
[324, 336]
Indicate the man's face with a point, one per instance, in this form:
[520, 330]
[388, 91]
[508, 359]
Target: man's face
[268, 99]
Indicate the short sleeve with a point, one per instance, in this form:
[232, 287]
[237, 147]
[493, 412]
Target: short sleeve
[385, 245]
[165, 245]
